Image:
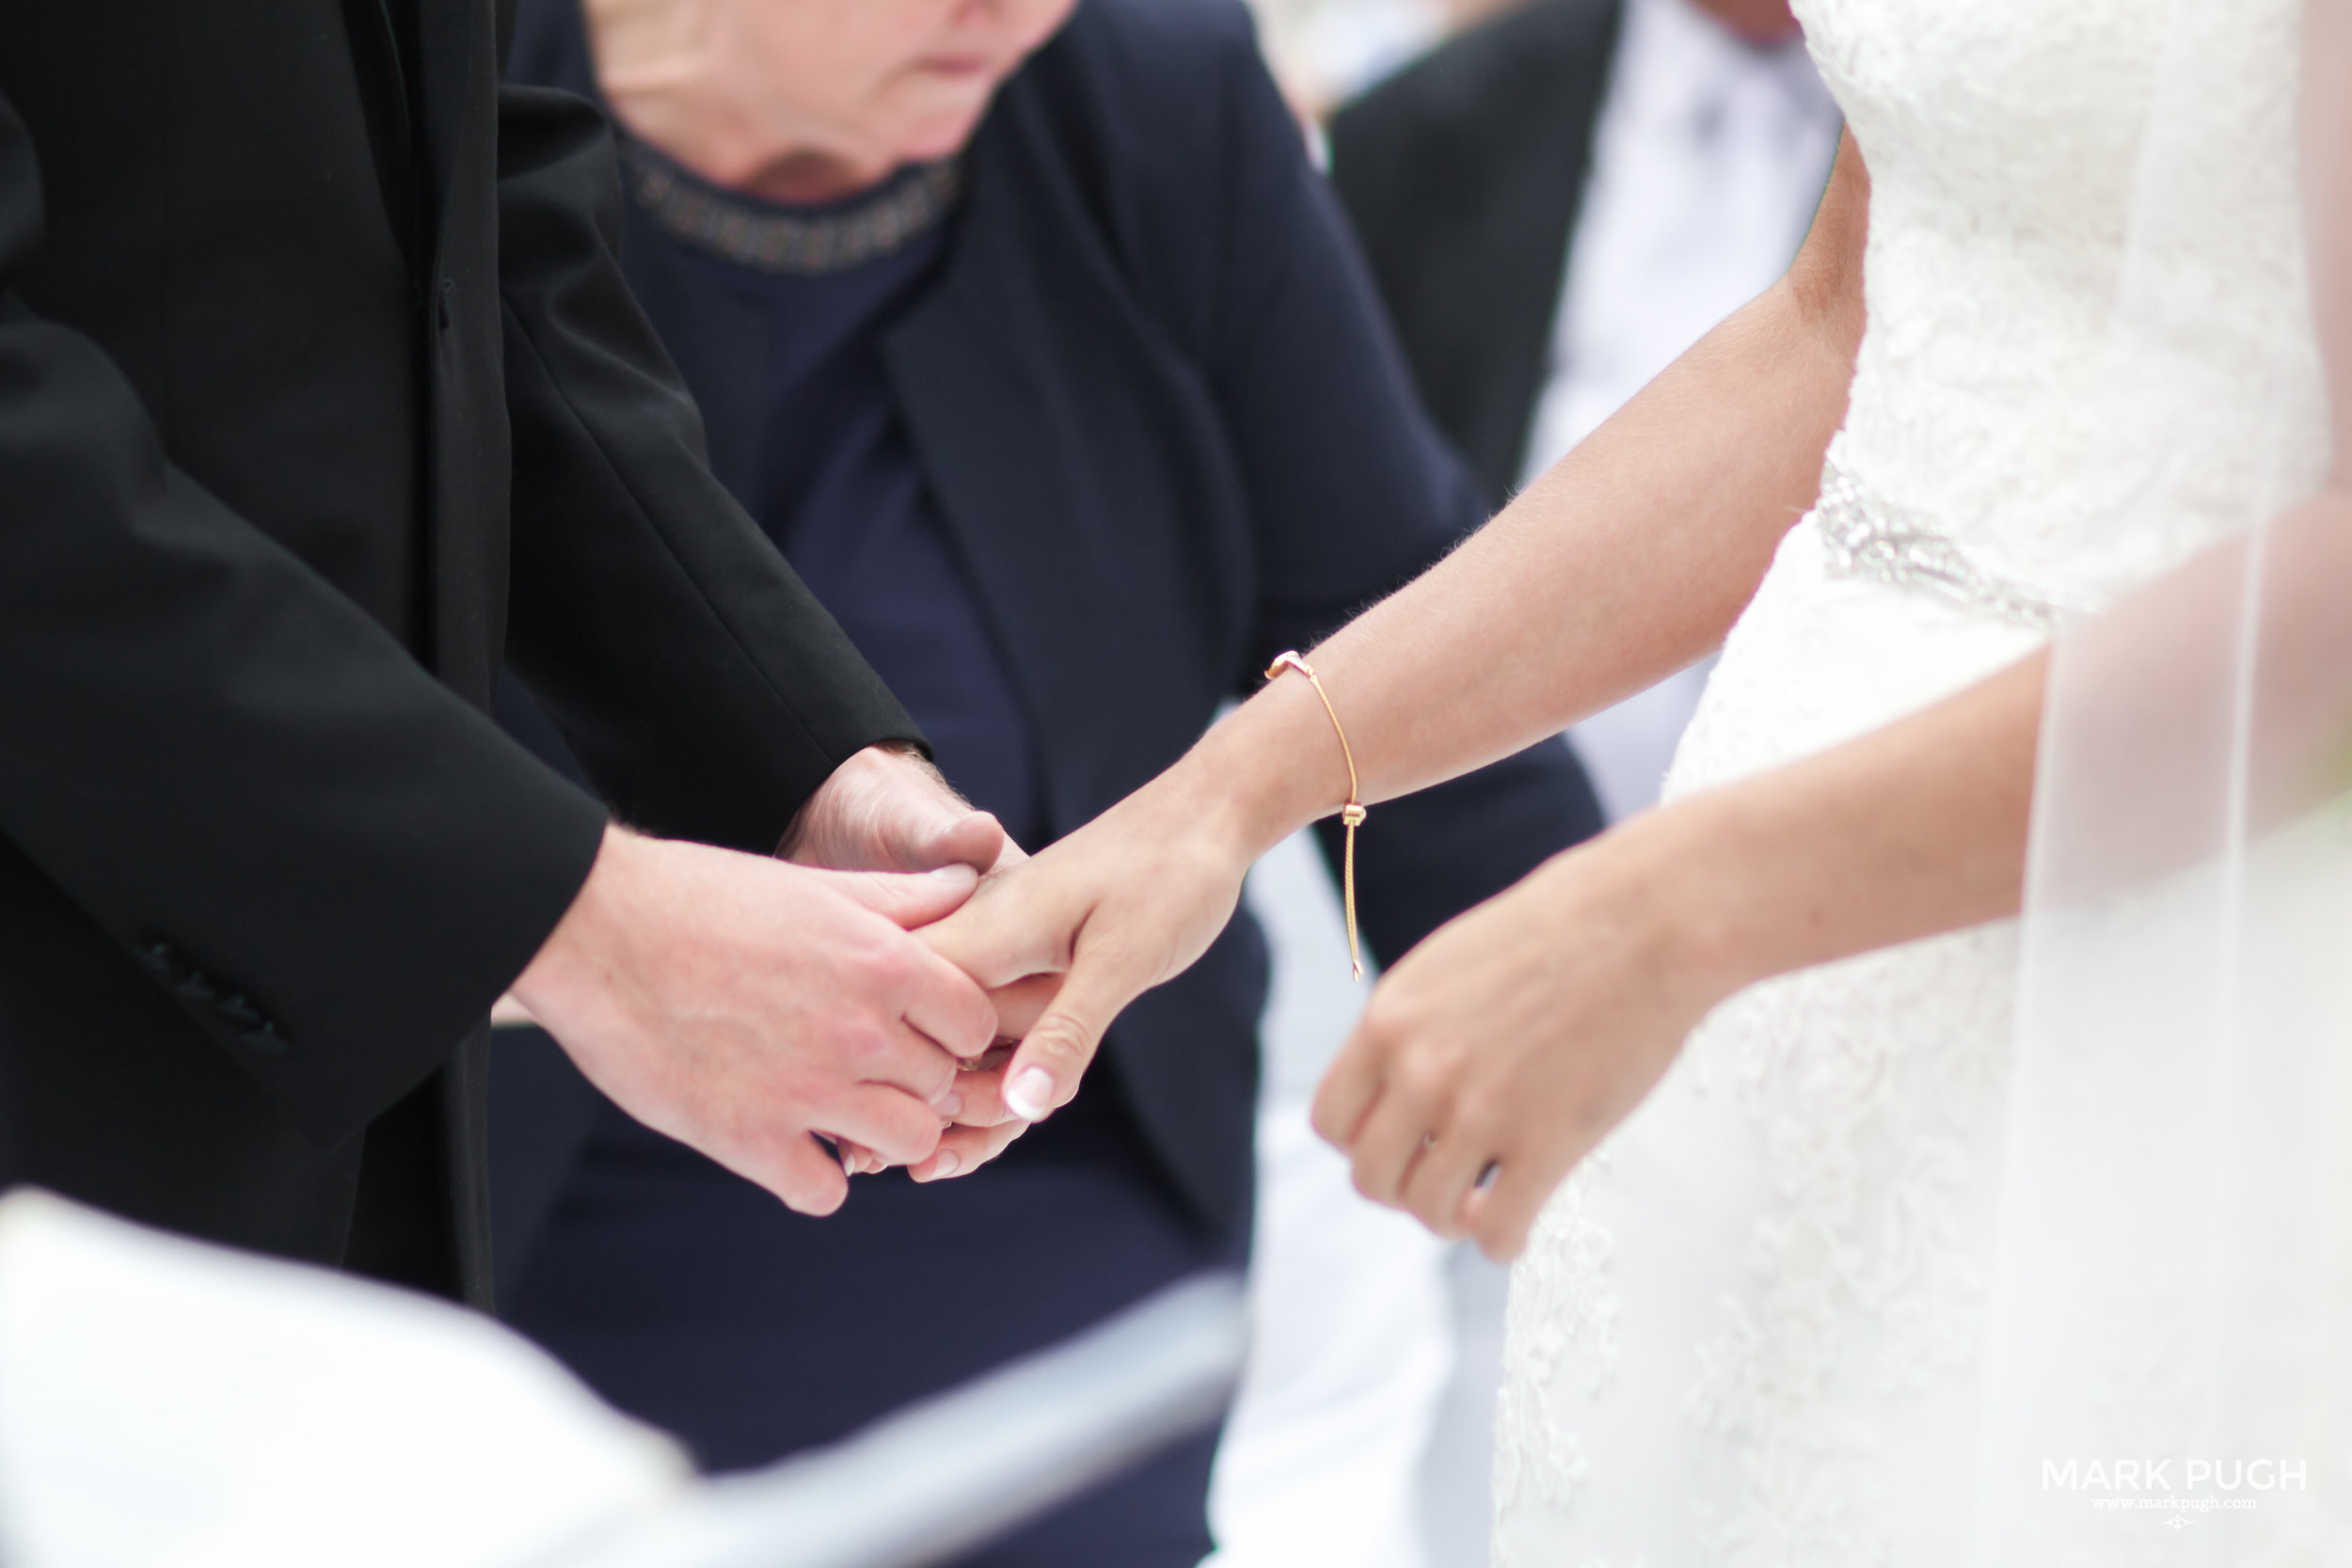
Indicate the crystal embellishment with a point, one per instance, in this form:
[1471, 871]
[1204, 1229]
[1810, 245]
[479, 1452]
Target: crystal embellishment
[1874, 542]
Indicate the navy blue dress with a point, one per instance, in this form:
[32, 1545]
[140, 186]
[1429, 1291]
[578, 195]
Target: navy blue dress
[694, 1299]
[1070, 466]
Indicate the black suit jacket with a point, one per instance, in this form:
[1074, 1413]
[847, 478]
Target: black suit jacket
[1171, 436]
[313, 346]
[1463, 174]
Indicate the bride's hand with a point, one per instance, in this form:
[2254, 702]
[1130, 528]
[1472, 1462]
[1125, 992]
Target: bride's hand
[1128, 901]
[1131, 900]
[1509, 1044]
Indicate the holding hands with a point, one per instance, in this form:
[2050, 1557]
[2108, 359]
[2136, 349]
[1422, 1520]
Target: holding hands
[1070, 938]
[749, 1006]
[740, 1004]
[1491, 1060]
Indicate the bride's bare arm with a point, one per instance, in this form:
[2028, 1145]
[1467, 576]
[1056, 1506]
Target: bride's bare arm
[1626, 562]
[1519, 1035]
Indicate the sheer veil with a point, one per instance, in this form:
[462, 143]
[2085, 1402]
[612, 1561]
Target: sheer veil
[2172, 1295]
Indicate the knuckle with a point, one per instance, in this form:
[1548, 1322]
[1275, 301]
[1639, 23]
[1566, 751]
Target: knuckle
[1057, 1042]
[1425, 1081]
[889, 966]
[1503, 1229]
[756, 1120]
[857, 1042]
[1478, 1107]
[911, 1145]
[1434, 1213]
[876, 952]
[935, 1075]
[1382, 1026]
[817, 1192]
[973, 1035]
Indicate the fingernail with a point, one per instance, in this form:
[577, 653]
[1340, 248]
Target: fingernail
[948, 1164]
[848, 1162]
[951, 1105]
[1031, 1094]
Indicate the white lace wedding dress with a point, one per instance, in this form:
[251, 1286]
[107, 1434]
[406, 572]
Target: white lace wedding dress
[1749, 1330]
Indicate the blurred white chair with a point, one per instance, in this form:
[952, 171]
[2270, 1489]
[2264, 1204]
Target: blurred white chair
[163, 1403]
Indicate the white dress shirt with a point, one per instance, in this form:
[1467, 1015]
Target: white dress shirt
[1708, 159]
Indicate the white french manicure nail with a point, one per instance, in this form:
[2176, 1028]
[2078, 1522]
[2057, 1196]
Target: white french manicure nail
[1031, 1094]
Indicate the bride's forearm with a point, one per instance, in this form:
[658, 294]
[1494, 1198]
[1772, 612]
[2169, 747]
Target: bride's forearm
[1625, 562]
[1921, 827]
[1913, 830]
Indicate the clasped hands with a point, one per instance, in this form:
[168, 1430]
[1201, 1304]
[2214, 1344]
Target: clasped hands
[806, 1017]
[904, 986]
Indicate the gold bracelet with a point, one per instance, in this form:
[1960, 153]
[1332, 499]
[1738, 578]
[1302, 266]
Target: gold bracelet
[1351, 814]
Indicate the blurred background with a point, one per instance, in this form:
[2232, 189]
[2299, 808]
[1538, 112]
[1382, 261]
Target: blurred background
[1323, 52]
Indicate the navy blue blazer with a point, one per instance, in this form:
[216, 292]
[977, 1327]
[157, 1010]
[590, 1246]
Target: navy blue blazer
[1172, 436]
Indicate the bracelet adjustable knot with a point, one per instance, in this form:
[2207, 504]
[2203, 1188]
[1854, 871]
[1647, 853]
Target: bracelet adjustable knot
[1351, 814]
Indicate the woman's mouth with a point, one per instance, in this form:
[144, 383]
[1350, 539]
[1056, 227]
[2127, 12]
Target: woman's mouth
[961, 67]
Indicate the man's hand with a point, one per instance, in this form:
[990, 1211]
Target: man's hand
[741, 1005]
[886, 809]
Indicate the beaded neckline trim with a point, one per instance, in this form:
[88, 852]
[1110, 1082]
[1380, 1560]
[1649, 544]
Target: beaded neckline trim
[754, 235]
[1876, 541]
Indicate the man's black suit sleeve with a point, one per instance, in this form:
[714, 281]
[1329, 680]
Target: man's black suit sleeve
[328, 860]
[702, 686]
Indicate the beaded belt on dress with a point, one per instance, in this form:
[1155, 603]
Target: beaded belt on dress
[1874, 541]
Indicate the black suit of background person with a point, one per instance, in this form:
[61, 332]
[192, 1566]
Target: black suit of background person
[292, 308]
[1463, 174]
[1167, 436]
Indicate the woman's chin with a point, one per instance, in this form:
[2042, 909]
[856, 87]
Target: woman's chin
[942, 135]
[937, 111]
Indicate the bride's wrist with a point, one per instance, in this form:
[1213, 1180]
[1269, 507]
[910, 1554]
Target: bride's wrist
[1680, 896]
[1210, 799]
[1265, 771]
